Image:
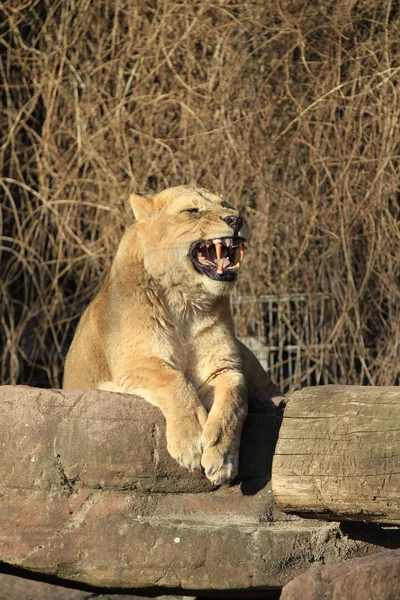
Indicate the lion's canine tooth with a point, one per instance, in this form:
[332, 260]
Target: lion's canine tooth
[218, 250]
[220, 269]
[241, 250]
[237, 266]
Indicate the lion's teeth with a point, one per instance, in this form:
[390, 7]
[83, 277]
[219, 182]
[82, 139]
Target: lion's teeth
[217, 241]
[218, 250]
[241, 251]
[220, 269]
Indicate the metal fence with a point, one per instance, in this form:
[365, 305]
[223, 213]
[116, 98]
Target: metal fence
[292, 337]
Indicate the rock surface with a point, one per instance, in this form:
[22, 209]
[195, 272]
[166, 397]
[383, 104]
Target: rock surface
[374, 577]
[18, 588]
[90, 495]
[68, 440]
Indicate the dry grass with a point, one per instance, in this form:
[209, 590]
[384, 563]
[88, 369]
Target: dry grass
[288, 108]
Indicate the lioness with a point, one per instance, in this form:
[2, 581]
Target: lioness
[161, 327]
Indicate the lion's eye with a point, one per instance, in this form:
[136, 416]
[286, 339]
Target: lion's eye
[190, 210]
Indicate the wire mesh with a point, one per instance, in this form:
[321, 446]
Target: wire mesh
[290, 337]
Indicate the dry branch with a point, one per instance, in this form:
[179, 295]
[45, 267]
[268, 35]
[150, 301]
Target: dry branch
[289, 109]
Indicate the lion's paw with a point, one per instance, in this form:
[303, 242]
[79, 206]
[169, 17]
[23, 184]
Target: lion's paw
[219, 468]
[220, 457]
[184, 439]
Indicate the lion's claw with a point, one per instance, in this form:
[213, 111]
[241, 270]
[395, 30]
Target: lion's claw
[219, 468]
[220, 457]
[184, 440]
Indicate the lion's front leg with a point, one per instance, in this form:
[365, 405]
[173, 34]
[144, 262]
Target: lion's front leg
[168, 389]
[222, 431]
[184, 432]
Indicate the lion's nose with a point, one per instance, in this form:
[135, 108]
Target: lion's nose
[235, 222]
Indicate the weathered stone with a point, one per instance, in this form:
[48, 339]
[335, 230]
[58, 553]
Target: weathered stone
[90, 495]
[56, 439]
[19, 588]
[107, 538]
[375, 577]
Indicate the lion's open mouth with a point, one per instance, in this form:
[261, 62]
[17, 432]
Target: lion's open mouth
[219, 259]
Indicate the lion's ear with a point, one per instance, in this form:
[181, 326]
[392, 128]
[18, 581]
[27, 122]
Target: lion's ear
[142, 206]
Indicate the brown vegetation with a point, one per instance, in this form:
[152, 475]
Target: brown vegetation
[288, 108]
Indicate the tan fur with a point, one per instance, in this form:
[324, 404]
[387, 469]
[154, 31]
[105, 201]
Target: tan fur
[161, 330]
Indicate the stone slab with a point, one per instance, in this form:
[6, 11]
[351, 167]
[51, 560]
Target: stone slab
[113, 539]
[375, 577]
[53, 438]
[19, 588]
[89, 495]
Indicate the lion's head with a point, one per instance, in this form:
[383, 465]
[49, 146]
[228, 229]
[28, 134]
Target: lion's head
[190, 236]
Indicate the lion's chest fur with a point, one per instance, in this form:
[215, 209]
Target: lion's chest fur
[193, 334]
[200, 342]
[185, 334]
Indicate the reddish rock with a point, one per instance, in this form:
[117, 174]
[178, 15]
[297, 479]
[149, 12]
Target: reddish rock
[19, 588]
[372, 577]
[63, 439]
[89, 494]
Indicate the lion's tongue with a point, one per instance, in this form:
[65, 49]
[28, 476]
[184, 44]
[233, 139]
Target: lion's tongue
[223, 263]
